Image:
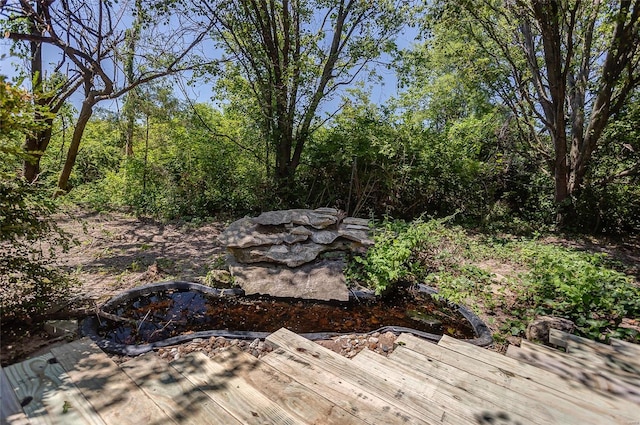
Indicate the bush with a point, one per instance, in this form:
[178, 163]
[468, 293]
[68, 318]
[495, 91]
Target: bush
[28, 235]
[537, 278]
[394, 257]
[28, 240]
[581, 287]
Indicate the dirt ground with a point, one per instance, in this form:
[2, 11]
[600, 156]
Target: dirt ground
[116, 252]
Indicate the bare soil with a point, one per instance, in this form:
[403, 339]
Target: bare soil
[115, 252]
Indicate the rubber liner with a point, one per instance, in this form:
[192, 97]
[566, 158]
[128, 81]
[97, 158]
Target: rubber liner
[89, 325]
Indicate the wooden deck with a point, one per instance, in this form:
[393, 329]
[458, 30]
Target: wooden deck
[301, 382]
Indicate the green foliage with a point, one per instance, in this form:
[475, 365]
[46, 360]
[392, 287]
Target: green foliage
[186, 164]
[321, 47]
[28, 235]
[538, 278]
[611, 200]
[580, 286]
[28, 240]
[372, 161]
[393, 257]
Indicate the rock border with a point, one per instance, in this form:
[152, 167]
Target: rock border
[89, 326]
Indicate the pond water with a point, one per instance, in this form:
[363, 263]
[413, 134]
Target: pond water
[169, 313]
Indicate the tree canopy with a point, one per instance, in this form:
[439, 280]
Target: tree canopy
[520, 109]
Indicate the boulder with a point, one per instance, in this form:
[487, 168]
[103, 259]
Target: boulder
[323, 280]
[538, 329]
[295, 253]
[293, 237]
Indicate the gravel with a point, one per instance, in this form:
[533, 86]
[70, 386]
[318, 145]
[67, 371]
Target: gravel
[345, 345]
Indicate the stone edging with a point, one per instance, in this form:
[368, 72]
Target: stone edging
[89, 325]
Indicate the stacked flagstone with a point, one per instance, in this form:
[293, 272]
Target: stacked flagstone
[294, 253]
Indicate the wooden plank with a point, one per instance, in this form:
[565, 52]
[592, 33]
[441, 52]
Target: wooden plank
[297, 399]
[47, 394]
[178, 397]
[233, 393]
[116, 398]
[600, 355]
[10, 409]
[360, 402]
[460, 404]
[625, 347]
[564, 401]
[568, 368]
[586, 359]
[505, 400]
[549, 379]
[312, 358]
[558, 339]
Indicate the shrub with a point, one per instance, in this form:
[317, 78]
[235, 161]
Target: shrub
[28, 235]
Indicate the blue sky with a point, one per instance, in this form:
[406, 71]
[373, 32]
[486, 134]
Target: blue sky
[202, 92]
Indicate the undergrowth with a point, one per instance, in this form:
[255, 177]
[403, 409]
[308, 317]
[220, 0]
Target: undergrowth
[536, 278]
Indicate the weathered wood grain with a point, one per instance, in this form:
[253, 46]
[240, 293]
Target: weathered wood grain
[599, 355]
[117, 399]
[363, 403]
[178, 397]
[512, 363]
[460, 405]
[625, 347]
[47, 394]
[321, 362]
[300, 401]
[570, 368]
[234, 394]
[520, 378]
[548, 409]
[10, 409]
[587, 358]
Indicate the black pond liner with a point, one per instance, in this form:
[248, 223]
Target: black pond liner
[89, 326]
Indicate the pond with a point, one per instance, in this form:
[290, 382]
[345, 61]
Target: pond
[173, 312]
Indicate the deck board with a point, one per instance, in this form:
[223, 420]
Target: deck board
[240, 399]
[300, 382]
[178, 397]
[10, 409]
[548, 408]
[375, 385]
[598, 355]
[460, 405]
[306, 405]
[117, 399]
[514, 378]
[626, 348]
[569, 368]
[364, 404]
[586, 359]
[47, 394]
[568, 385]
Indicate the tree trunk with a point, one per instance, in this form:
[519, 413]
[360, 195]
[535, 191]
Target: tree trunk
[35, 144]
[85, 114]
[128, 136]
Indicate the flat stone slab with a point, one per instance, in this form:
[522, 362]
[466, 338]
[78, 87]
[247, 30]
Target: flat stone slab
[291, 255]
[323, 280]
[316, 219]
